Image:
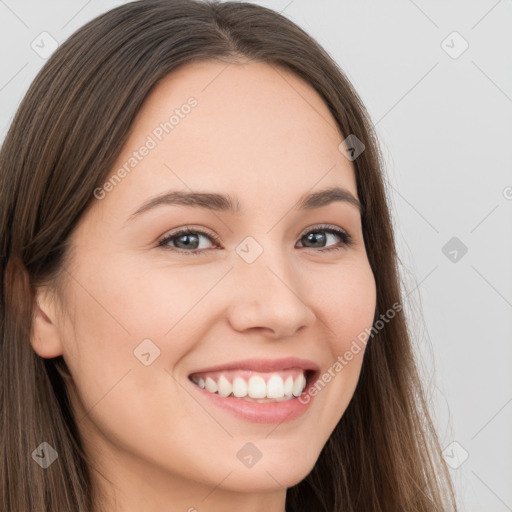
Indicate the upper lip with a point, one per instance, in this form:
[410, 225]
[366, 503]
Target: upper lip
[262, 365]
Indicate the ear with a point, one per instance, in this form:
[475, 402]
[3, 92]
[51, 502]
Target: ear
[45, 336]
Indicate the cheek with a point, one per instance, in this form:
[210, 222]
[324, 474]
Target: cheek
[346, 307]
[346, 304]
[113, 391]
[120, 312]
[124, 303]
[157, 299]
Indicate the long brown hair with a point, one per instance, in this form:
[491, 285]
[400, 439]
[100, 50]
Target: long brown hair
[384, 454]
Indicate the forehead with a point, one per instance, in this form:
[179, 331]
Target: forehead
[255, 131]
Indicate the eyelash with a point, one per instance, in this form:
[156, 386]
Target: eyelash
[345, 237]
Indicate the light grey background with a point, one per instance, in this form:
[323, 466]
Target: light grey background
[445, 123]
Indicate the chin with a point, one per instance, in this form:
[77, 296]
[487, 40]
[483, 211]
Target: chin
[269, 477]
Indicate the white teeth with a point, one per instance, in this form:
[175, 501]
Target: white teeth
[257, 388]
[275, 387]
[211, 385]
[288, 386]
[225, 387]
[285, 398]
[299, 385]
[239, 387]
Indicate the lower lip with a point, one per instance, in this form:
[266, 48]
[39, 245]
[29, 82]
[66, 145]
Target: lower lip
[257, 412]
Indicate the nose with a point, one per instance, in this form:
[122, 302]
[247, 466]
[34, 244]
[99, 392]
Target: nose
[269, 295]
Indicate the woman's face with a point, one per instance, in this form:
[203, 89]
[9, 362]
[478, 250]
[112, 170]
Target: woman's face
[245, 290]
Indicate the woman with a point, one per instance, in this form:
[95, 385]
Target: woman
[201, 308]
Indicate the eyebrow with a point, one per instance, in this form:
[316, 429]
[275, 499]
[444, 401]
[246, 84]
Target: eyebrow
[225, 203]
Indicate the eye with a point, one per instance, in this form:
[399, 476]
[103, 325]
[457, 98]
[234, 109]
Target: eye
[187, 241]
[318, 236]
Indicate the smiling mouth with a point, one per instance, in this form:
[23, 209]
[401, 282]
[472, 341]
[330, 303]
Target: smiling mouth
[252, 386]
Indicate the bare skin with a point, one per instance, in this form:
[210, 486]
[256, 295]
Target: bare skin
[266, 138]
